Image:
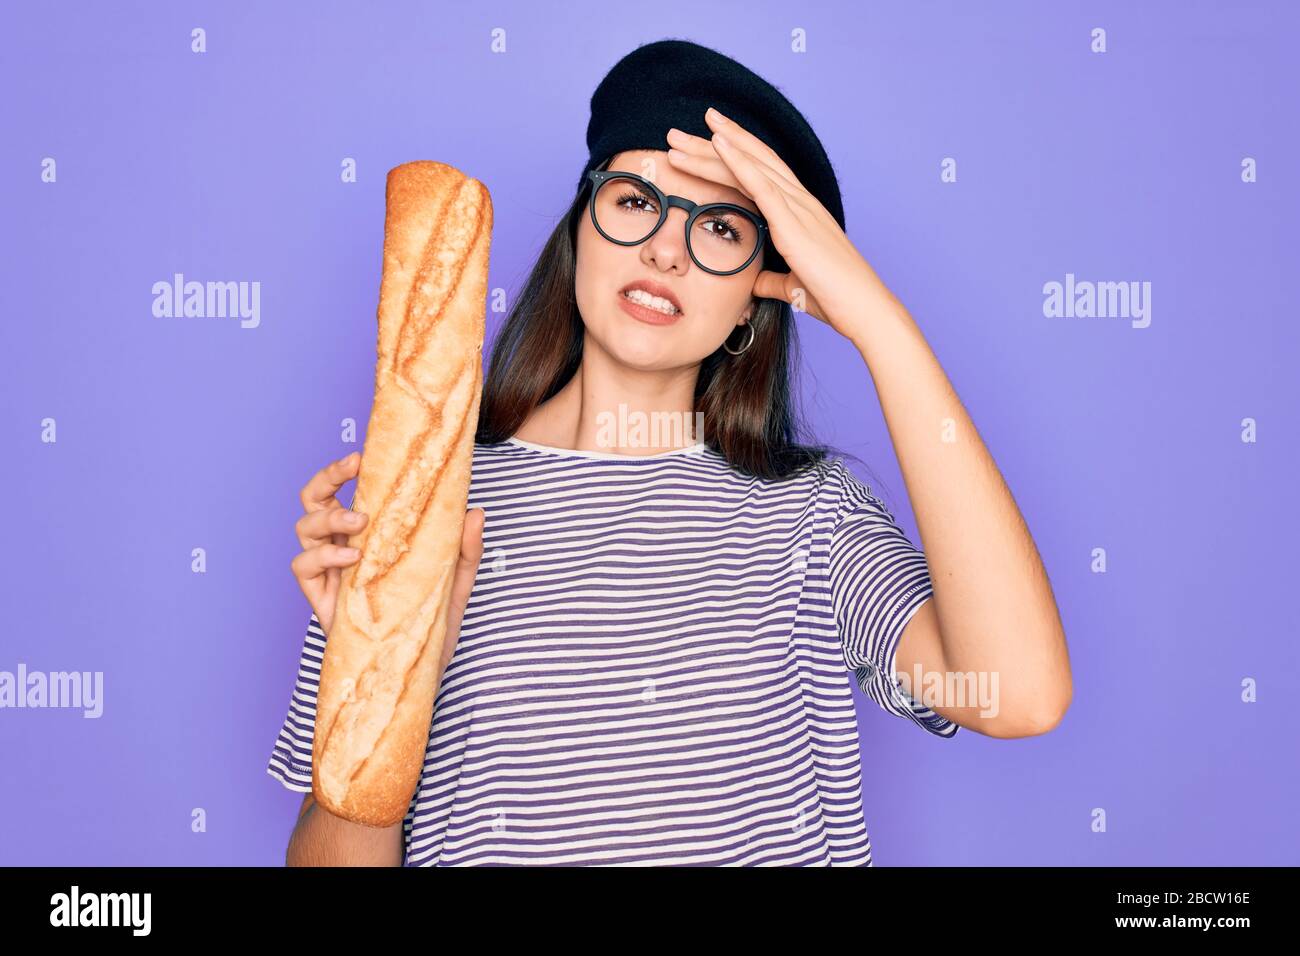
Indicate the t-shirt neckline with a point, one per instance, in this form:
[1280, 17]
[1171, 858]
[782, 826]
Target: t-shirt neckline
[607, 455]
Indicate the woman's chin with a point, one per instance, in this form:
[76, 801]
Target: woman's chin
[647, 360]
[645, 353]
[646, 348]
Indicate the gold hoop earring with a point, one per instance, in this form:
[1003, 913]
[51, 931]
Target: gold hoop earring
[748, 325]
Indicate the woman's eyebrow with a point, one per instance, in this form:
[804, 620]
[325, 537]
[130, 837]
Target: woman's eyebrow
[706, 202]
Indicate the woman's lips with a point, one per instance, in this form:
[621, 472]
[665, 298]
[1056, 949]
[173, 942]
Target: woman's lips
[649, 316]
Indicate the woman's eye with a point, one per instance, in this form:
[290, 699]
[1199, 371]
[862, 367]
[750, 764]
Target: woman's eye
[637, 202]
[721, 229]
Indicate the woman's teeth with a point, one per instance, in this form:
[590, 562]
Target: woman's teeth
[651, 301]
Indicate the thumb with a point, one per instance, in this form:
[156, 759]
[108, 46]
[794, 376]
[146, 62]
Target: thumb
[772, 285]
[471, 553]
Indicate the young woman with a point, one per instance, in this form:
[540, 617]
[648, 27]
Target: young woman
[652, 663]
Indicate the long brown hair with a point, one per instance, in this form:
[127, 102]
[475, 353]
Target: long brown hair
[745, 399]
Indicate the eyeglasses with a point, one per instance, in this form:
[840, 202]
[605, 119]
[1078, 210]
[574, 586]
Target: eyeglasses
[721, 237]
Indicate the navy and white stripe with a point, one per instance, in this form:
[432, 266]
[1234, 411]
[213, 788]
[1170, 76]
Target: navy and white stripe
[653, 666]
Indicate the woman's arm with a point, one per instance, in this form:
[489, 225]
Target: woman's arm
[992, 613]
[321, 839]
[993, 609]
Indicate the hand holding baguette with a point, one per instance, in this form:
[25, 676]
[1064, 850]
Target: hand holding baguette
[323, 534]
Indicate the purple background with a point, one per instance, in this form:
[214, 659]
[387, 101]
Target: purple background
[183, 433]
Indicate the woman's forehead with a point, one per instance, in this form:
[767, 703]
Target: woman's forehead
[674, 182]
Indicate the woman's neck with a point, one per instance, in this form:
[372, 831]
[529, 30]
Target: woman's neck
[607, 406]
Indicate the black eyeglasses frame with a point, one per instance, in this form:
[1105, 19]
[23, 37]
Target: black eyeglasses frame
[598, 177]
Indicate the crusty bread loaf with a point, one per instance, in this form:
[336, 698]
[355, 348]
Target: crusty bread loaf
[384, 651]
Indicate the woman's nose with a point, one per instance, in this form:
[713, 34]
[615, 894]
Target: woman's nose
[667, 247]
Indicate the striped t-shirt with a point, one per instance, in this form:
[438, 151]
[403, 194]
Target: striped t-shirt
[653, 666]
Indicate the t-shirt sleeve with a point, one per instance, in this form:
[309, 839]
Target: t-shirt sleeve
[878, 581]
[291, 757]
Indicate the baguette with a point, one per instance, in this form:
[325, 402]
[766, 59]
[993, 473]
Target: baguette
[384, 654]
